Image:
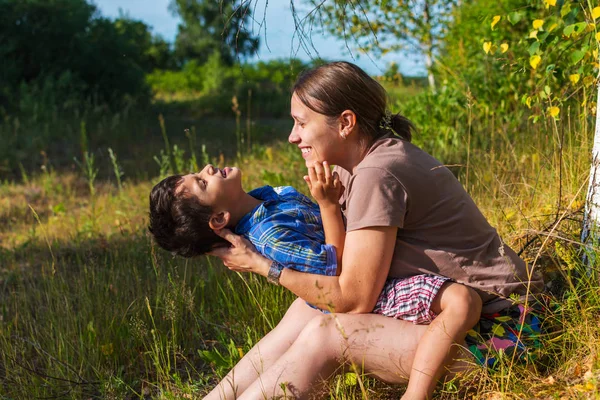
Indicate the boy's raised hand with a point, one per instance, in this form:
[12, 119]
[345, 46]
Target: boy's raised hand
[324, 186]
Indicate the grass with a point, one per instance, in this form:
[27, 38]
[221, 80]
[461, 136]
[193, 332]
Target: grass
[90, 308]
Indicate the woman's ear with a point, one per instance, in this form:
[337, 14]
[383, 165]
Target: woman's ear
[219, 221]
[347, 123]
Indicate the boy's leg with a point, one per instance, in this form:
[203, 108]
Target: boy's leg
[458, 308]
[265, 352]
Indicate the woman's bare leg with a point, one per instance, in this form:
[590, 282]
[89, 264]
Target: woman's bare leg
[265, 352]
[383, 347]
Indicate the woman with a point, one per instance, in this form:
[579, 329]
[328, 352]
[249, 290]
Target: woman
[405, 214]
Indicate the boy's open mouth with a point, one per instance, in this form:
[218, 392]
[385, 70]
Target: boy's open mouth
[225, 171]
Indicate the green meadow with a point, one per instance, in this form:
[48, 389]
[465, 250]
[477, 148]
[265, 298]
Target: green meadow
[91, 308]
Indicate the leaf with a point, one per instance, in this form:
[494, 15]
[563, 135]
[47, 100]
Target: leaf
[534, 61]
[487, 46]
[550, 68]
[565, 9]
[533, 48]
[580, 27]
[596, 13]
[538, 23]
[533, 34]
[514, 17]
[504, 47]
[577, 56]
[569, 29]
[350, 379]
[574, 78]
[528, 102]
[495, 21]
[553, 111]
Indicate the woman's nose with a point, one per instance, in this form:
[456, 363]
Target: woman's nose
[293, 137]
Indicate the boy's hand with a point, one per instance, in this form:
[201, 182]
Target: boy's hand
[324, 186]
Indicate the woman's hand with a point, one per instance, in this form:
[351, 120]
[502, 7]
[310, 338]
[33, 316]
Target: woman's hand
[241, 256]
[325, 187]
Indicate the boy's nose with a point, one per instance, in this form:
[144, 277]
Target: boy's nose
[209, 169]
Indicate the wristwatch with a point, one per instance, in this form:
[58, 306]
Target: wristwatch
[274, 273]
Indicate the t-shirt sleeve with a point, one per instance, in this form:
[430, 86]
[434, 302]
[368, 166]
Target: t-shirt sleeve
[375, 198]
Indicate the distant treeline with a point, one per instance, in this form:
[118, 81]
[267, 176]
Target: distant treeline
[63, 49]
[60, 55]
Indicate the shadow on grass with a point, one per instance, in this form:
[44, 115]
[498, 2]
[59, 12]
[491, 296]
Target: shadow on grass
[114, 317]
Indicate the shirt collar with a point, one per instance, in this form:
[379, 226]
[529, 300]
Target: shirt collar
[265, 193]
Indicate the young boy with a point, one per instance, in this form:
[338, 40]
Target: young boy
[285, 226]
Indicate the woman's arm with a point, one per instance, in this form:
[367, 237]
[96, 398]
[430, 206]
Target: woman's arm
[366, 263]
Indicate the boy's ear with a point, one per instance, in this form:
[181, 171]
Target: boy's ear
[219, 221]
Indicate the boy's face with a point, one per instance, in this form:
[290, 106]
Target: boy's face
[213, 187]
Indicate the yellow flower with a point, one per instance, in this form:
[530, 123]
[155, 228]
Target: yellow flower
[553, 111]
[574, 78]
[550, 3]
[537, 24]
[533, 35]
[596, 13]
[504, 47]
[534, 61]
[487, 46]
[528, 102]
[495, 21]
[598, 36]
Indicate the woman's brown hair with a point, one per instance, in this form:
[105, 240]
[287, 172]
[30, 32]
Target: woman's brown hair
[338, 86]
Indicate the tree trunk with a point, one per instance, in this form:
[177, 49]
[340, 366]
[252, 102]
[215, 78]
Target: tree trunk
[428, 46]
[591, 218]
[429, 66]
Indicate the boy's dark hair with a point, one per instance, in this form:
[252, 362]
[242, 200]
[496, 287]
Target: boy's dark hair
[179, 222]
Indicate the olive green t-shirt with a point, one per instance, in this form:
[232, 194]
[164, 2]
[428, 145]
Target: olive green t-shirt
[440, 229]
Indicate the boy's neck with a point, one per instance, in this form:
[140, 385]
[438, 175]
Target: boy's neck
[246, 204]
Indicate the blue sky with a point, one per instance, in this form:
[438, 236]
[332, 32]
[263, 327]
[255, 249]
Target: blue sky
[280, 41]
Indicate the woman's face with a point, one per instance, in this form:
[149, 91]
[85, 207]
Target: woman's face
[313, 133]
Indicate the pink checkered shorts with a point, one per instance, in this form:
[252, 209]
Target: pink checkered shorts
[409, 298]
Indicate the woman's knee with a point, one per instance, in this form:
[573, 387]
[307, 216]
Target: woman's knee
[322, 334]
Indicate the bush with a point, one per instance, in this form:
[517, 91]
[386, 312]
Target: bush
[263, 87]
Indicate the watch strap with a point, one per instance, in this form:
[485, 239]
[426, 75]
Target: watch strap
[274, 273]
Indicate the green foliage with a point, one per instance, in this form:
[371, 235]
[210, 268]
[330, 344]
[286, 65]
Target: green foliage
[213, 26]
[66, 50]
[512, 57]
[261, 89]
[381, 26]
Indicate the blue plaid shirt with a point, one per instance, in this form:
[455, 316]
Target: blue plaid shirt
[286, 227]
